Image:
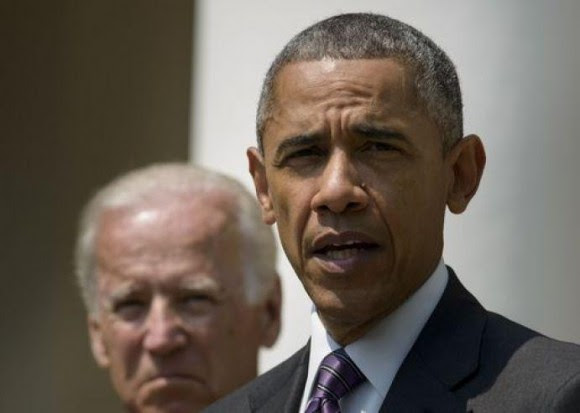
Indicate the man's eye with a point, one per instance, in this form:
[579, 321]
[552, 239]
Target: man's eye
[196, 298]
[378, 147]
[130, 308]
[300, 157]
[305, 152]
[197, 303]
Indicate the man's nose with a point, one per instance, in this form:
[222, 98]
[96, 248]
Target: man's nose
[165, 332]
[340, 187]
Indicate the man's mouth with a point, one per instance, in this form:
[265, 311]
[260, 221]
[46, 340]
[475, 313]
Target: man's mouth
[170, 377]
[345, 250]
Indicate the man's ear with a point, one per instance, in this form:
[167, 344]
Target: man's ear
[466, 161]
[271, 315]
[98, 346]
[258, 172]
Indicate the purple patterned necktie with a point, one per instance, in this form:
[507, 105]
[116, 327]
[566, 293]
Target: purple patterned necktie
[337, 375]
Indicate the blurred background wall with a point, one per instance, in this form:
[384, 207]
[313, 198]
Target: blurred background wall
[88, 89]
[518, 246]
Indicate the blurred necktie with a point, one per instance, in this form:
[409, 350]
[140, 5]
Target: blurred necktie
[337, 375]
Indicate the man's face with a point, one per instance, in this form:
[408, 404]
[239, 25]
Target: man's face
[353, 173]
[173, 327]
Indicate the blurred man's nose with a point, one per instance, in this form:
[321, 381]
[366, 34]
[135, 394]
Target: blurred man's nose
[165, 332]
[340, 188]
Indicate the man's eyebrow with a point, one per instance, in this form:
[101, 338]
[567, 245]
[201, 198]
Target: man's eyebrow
[378, 132]
[295, 142]
[204, 285]
[201, 283]
[119, 293]
[123, 290]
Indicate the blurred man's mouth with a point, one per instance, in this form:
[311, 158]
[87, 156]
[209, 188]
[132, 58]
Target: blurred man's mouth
[172, 376]
[165, 379]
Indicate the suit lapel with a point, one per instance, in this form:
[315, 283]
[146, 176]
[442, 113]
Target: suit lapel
[415, 390]
[285, 393]
[445, 354]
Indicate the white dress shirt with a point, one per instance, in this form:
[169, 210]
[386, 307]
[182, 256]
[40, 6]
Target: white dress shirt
[381, 351]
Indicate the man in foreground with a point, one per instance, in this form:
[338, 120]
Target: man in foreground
[178, 276]
[361, 150]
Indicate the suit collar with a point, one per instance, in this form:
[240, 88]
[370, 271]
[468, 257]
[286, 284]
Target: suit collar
[450, 342]
[288, 386]
[445, 354]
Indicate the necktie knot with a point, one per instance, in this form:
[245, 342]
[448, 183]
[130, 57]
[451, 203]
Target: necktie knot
[337, 375]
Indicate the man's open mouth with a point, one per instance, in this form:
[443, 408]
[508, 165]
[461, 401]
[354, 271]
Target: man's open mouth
[342, 251]
[342, 246]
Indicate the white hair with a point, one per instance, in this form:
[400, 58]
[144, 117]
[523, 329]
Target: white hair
[258, 251]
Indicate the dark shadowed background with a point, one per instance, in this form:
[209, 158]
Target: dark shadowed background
[88, 89]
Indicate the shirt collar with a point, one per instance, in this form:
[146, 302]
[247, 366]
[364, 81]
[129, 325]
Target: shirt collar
[381, 351]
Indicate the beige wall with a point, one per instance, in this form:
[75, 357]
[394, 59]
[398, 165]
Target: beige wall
[88, 89]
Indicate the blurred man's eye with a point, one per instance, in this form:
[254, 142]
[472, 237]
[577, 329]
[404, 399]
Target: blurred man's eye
[197, 302]
[130, 309]
[197, 299]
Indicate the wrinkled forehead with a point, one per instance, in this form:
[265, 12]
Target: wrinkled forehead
[378, 78]
[381, 88]
[183, 242]
[178, 219]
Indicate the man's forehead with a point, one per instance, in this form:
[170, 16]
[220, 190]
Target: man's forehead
[383, 89]
[175, 241]
[171, 239]
[123, 284]
[202, 215]
[376, 73]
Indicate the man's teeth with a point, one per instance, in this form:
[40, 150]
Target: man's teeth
[342, 254]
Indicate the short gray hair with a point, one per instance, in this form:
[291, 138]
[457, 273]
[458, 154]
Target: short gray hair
[372, 36]
[173, 179]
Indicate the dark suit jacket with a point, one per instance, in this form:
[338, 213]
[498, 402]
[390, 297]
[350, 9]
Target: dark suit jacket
[465, 359]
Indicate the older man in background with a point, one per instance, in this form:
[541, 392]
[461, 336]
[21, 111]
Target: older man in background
[177, 272]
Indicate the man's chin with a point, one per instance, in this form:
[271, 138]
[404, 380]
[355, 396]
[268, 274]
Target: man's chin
[346, 317]
[346, 303]
[173, 395]
[335, 313]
